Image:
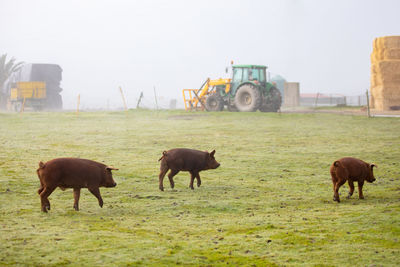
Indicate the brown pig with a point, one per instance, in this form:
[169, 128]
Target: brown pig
[351, 170]
[73, 173]
[184, 159]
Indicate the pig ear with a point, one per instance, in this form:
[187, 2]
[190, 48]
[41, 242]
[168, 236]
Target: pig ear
[212, 153]
[41, 165]
[111, 168]
[372, 166]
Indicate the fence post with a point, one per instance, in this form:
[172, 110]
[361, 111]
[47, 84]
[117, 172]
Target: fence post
[316, 101]
[140, 99]
[123, 99]
[78, 103]
[23, 106]
[155, 97]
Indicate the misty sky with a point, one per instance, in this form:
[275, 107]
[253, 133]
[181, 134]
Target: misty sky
[176, 44]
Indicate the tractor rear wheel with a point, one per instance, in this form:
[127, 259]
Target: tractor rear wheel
[272, 102]
[248, 98]
[214, 102]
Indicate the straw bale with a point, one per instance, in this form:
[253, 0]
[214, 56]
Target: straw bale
[385, 73]
[385, 54]
[386, 42]
[384, 103]
[386, 66]
[384, 80]
[381, 94]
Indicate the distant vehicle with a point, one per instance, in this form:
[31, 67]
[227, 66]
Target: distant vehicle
[248, 90]
[35, 86]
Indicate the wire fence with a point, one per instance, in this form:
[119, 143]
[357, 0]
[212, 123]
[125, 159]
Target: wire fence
[148, 101]
[309, 100]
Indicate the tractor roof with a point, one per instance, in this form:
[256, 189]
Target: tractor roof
[249, 66]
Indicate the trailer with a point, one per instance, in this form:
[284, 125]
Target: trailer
[27, 94]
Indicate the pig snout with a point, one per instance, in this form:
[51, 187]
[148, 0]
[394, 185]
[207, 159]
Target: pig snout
[111, 184]
[215, 165]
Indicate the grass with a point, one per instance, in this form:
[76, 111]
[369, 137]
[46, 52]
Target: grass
[269, 204]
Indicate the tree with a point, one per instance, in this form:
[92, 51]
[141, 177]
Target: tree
[6, 69]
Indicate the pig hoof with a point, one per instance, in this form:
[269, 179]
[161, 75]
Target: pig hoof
[162, 188]
[348, 196]
[44, 210]
[76, 208]
[361, 197]
[191, 187]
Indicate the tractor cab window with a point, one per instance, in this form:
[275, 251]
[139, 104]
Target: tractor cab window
[262, 75]
[237, 74]
[257, 75]
[254, 74]
[245, 75]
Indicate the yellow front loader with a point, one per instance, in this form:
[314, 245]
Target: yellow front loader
[195, 99]
[27, 94]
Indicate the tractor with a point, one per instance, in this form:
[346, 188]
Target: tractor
[247, 91]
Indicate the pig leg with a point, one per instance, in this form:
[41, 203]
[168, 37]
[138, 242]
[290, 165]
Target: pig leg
[163, 170]
[171, 175]
[337, 186]
[40, 190]
[351, 185]
[360, 186]
[44, 198]
[334, 182]
[198, 179]
[192, 176]
[77, 193]
[96, 192]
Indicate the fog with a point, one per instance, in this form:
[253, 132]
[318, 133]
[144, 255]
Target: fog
[171, 45]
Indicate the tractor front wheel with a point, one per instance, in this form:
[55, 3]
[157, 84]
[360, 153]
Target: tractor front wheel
[248, 98]
[214, 102]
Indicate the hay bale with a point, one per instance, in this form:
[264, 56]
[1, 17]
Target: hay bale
[386, 42]
[385, 103]
[385, 73]
[386, 91]
[385, 54]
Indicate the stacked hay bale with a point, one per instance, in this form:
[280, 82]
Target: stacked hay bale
[385, 73]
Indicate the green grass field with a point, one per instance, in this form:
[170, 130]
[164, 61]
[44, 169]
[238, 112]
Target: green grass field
[270, 202]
